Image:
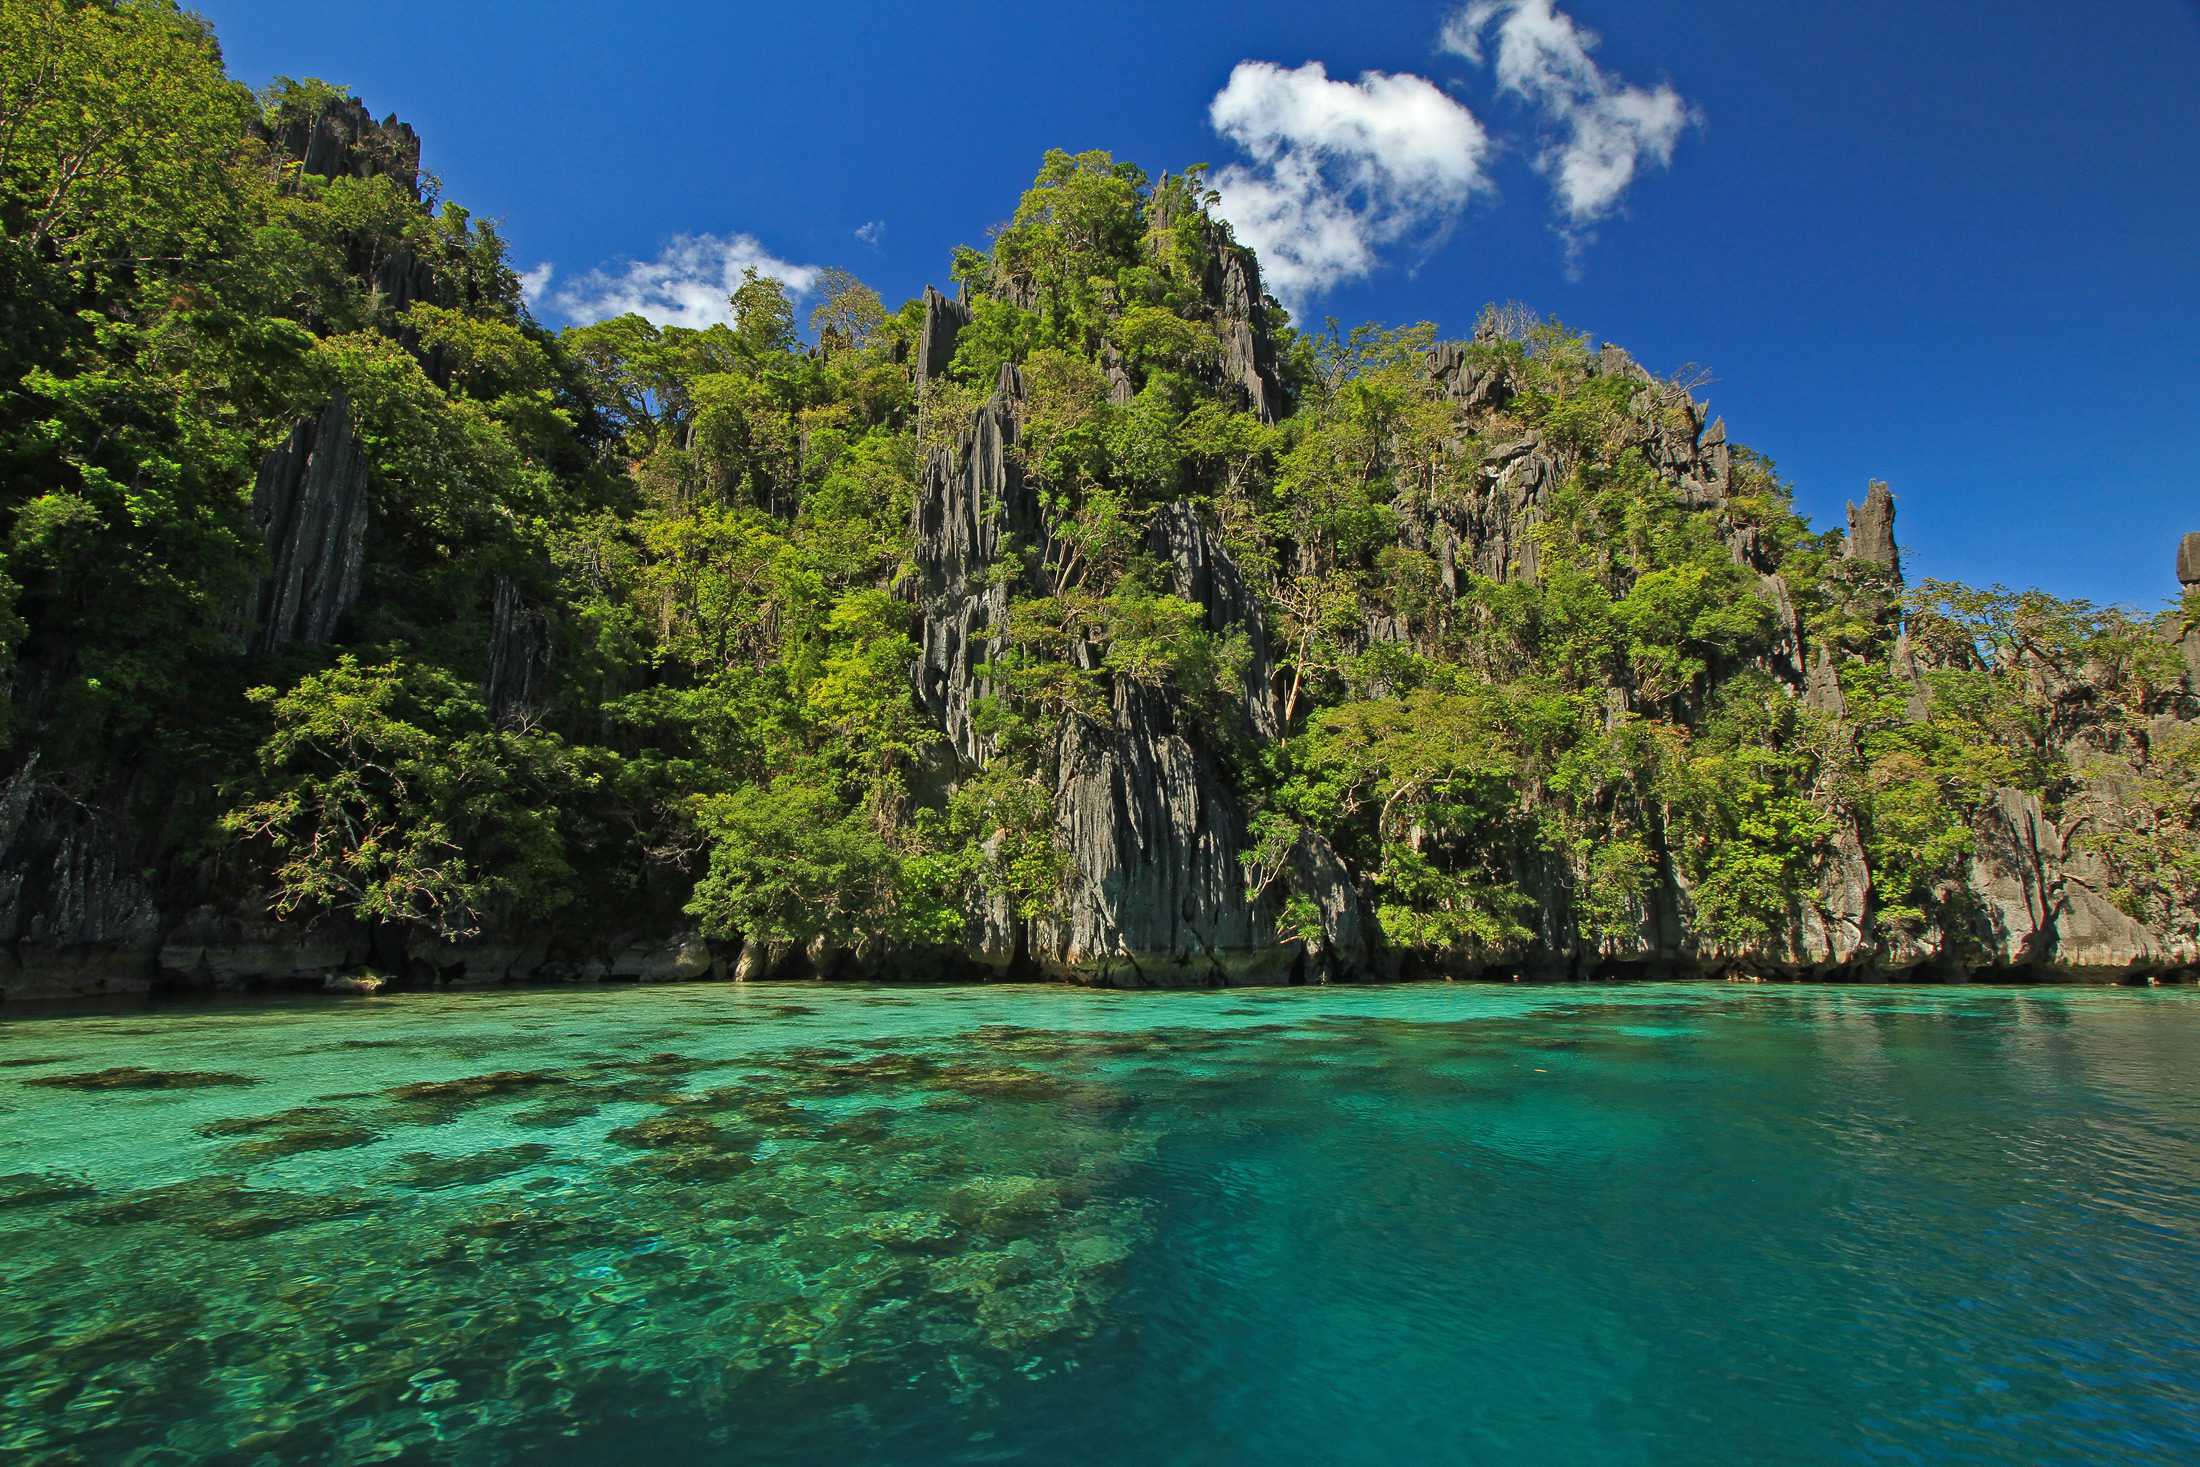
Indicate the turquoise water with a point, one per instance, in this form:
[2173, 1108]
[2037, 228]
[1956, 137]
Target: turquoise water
[817, 1224]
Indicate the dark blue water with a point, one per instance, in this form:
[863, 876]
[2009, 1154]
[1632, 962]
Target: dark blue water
[795, 1224]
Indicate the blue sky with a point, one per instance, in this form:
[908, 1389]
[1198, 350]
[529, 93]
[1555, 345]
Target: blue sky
[1953, 246]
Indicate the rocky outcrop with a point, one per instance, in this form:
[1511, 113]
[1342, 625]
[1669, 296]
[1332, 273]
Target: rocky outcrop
[2188, 561]
[1489, 529]
[77, 915]
[1831, 932]
[1153, 829]
[943, 323]
[215, 949]
[1871, 530]
[1248, 355]
[1155, 838]
[1202, 571]
[1237, 304]
[1345, 939]
[1787, 661]
[342, 140]
[401, 278]
[1822, 690]
[973, 492]
[1910, 673]
[2014, 883]
[2093, 939]
[311, 506]
[1467, 380]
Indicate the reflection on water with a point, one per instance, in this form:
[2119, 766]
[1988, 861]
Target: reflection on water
[1655, 1224]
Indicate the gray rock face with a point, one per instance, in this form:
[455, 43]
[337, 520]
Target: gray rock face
[677, 959]
[1347, 941]
[1718, 458]
[1515, 479]
[943, 323]
[1916, 703]
[1787, 660]
[1203, 572]
[1871, 530]
[1248, 356]
[344, 141]
[1830, 934]
[2188, 560]
[311, 506]
[2014, 880]
[76, 914]
[222, 951]
[2092, 939]
[1155, 837]
[972, 493]
[1490, 530]
[520, 652]
[1613, 361]
[1121, 388]
[1464, 381]
[1152, 827]
[401, 278]
[1823, 690]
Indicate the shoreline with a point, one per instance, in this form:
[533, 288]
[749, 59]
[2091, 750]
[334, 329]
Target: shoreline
[169, 998]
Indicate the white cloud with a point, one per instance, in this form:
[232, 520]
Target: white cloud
[871, 233]
[532, 283]
[1339, 169]
[688, 284]
[1606, 130]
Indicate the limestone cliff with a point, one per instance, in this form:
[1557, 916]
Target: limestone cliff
[1152, 825]
[1157, 831]
[665, 585]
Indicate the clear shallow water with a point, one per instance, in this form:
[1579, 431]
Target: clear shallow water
[800, 1224]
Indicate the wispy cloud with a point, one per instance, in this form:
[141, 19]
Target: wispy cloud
[532, 283]
[688, 284]
[872, 232]
[1603, 131]
[1339, 169]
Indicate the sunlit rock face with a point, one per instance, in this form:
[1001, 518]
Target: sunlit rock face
[1156, 796]
[1153, 828]
[1156, 831]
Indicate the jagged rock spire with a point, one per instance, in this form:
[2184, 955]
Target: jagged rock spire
[342, 140]
[943, 323]
[1871, 530]
[2188, 560]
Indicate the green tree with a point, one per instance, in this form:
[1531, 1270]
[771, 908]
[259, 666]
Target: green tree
[384, 795]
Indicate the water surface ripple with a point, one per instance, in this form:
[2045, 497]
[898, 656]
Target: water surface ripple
[766, 1224]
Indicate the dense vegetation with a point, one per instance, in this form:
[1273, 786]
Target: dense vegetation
[707, 536]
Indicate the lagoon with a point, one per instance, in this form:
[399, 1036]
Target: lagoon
[802, 1223]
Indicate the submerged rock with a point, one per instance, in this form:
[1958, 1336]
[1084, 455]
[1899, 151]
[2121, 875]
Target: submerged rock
[137, 1077]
